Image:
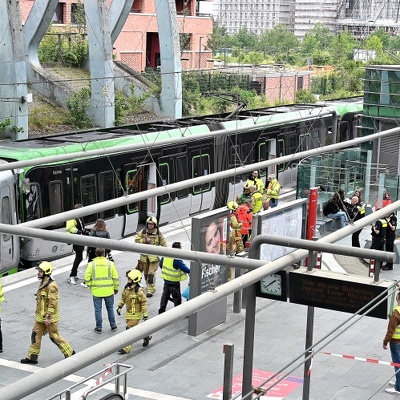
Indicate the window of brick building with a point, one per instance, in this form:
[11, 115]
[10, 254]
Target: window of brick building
[58, 17]
[137, 6]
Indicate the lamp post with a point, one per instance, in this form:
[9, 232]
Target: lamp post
[200, 39]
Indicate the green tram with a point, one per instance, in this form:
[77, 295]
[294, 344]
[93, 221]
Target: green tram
[248, 136]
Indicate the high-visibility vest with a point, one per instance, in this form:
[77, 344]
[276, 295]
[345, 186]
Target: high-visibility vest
[382, 232]
[169, 273]
[102, 283]
[273, 189]
[396, 334]
[257, 202]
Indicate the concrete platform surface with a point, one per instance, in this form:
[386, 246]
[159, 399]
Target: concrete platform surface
[176, 366]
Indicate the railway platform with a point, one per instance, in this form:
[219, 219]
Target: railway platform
[176, 366]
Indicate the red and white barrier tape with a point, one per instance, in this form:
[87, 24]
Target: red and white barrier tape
[372, 268]
[311, 363]
[369, 360]
[101, 379]
[319, 260]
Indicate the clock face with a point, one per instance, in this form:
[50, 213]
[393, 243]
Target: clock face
[272, 284]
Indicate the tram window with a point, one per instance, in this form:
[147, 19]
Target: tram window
[106, 192]
[89, 194]
[56, 197]
[304, 142]
[201, 167]
[181, 174]
[131, 184]
[165, 180]
[235, 162]
[281, 152]
[32, 203]
[6, 215]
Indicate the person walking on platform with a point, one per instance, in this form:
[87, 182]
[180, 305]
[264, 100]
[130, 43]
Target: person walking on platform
[148, 263]
[134, 297]
[1, 333]
[173, 272]
[76, 226]
[46, 316]
[255, 180]
[235, 242]
[273, 190]
[245, 195]
[355, 211]
[101, 278]
[332, 210]
[390, 238]
[245, 217]
[392, 338]
[256, 199]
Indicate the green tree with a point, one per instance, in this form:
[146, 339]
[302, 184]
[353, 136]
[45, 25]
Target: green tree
[278, 42]
[219, 39]
[245, 40]
[254, 58]
[382, 35]
[304, 96]
[316, 40]
[373, 43]
[342, 48]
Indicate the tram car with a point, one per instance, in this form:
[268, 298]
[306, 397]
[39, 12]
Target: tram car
[247, 137]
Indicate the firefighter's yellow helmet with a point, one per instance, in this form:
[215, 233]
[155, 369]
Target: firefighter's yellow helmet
[232, 205]
[135, 275]
[151, 219]
[46, 267]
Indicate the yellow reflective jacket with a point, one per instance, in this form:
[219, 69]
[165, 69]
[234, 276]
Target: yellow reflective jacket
[101, 277]
[169, 273]
[273, 189]
[257, 200]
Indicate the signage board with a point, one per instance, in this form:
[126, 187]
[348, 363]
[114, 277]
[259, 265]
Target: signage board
[333, 291]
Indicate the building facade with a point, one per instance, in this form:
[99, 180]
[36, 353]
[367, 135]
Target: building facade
[137, 45]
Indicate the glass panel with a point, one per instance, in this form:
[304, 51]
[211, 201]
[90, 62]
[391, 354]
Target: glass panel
[201, 167]
[32, 203]
[164, 175]
[131, 185]
[56, 197]
[106, 192]
[89, 194]
[181, 174]
[6, 215]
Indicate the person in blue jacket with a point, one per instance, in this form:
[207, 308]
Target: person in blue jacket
[173, 272]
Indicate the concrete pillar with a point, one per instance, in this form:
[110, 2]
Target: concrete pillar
[13, 79]
[35, 27]
[119, 11]
[100, 63]
[170, 54]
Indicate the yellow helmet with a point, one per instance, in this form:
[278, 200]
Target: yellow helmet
[46, 267]
[246, 186]
[232, 205]
[135, 275]
[151, 219]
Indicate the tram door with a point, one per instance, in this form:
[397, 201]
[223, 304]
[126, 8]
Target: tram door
[139, 178]
[8, 253]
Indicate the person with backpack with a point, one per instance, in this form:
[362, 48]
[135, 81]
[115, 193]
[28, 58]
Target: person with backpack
[331, 209]
[148, 263]
[99, 230]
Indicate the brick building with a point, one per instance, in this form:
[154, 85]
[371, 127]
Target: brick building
[137, 45]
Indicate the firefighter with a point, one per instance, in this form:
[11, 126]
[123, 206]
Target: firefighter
[148, 263]
[245, 217]
[235, 237]
[134, 297]
[47, 316]
[245, 195]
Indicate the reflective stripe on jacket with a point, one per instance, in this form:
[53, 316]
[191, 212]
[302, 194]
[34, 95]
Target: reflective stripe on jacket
[169, 273]
[102, 277]
[136, 302]
[47, 301]
[396, 334]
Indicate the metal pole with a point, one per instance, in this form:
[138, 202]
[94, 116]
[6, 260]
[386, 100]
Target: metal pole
[228, 371]
[368, 177]
[309, 332]
[237, 296]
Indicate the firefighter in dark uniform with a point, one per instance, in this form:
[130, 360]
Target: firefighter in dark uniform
[390, 238]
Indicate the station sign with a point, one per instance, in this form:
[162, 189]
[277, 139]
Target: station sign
[333, 291]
